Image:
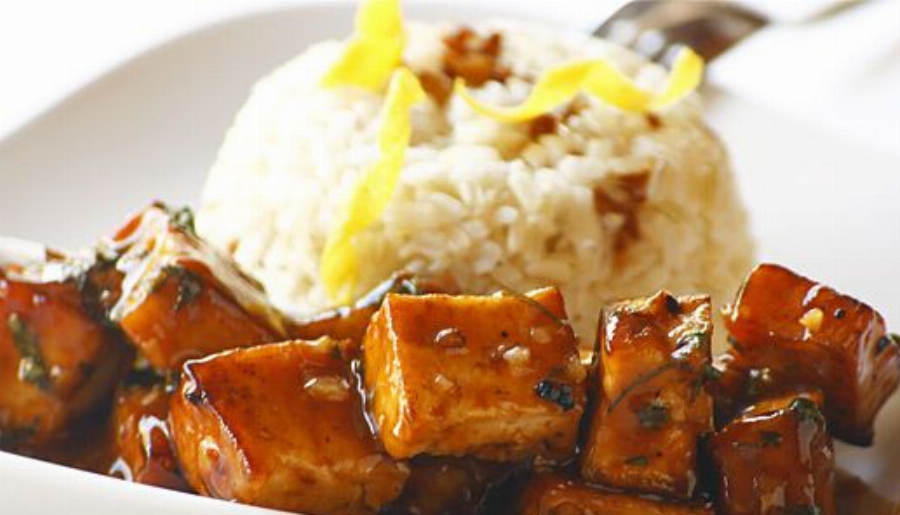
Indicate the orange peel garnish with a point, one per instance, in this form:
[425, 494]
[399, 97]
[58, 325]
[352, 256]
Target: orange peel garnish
[373, 191]
[374, 51]
[559, 85]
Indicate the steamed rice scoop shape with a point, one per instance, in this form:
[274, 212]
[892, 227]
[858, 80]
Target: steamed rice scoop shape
[606, 204]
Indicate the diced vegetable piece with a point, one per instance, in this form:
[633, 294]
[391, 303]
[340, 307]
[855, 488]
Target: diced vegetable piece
[351, 322]
[494, 377]
[788, 332]
[553, 494]
[143, 441]
[183, 299]
[450, 486]
[776, 458]
[652, 362]
[282, 426]
[56, 361]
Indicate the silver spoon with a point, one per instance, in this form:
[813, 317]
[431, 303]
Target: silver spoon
[654, 28]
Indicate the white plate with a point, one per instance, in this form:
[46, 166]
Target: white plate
[149, 129]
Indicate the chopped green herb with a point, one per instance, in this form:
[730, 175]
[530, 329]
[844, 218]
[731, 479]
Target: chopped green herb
[535, 304]
[556, 392]
[409, 287]
[708, 374]
[189, 288]
[770, 438]
[806, 410]
[807, 509]
[693, 340]
[644, 379]
[672, 305]
[189, 285]
[336, 353]
[653, 415]
[32, 367]
[883, 344]
[183, 220]
[637, 461]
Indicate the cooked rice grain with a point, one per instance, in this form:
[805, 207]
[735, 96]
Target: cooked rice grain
[483, 201]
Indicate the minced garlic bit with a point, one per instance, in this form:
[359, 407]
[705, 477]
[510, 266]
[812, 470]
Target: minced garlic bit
[599, 78]
[450, 338]
[370, 196]
[328, 388]
[542, 334]
[375, 50]
[812, 319]
[517, 356]
[443, 384]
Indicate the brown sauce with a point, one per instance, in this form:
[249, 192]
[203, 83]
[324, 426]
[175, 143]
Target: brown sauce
[89, 446]
[623, 195]
[854, 497]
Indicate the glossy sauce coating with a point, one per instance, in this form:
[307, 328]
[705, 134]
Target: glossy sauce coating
[555, 494]
[182, 299]
[56, 361]
[776, 458]
[789, 332]
[475, 379]
[494, 377]
[282, 426]
[142, 438]
[351, 322]
[450, 486]
[651, 364]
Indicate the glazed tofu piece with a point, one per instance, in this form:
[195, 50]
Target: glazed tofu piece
[351, 322]
[183, 299]
[143, 443]
[282, 426]
[451, 486]
[493, 377]
[57, 362]
[788, 332]
[775, 458]
[652, 361]
[554, 494]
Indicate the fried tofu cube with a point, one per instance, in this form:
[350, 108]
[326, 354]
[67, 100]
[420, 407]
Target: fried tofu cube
[775, 458]
[351, 322]
[282, 426]
[181, 298]
[57, 362]
[143, 442]
[494, 377]
[652, 360]
[788, 333]
[451, 486]
[554, 494]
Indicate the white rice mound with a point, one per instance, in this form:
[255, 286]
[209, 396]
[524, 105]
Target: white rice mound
[478, 199]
